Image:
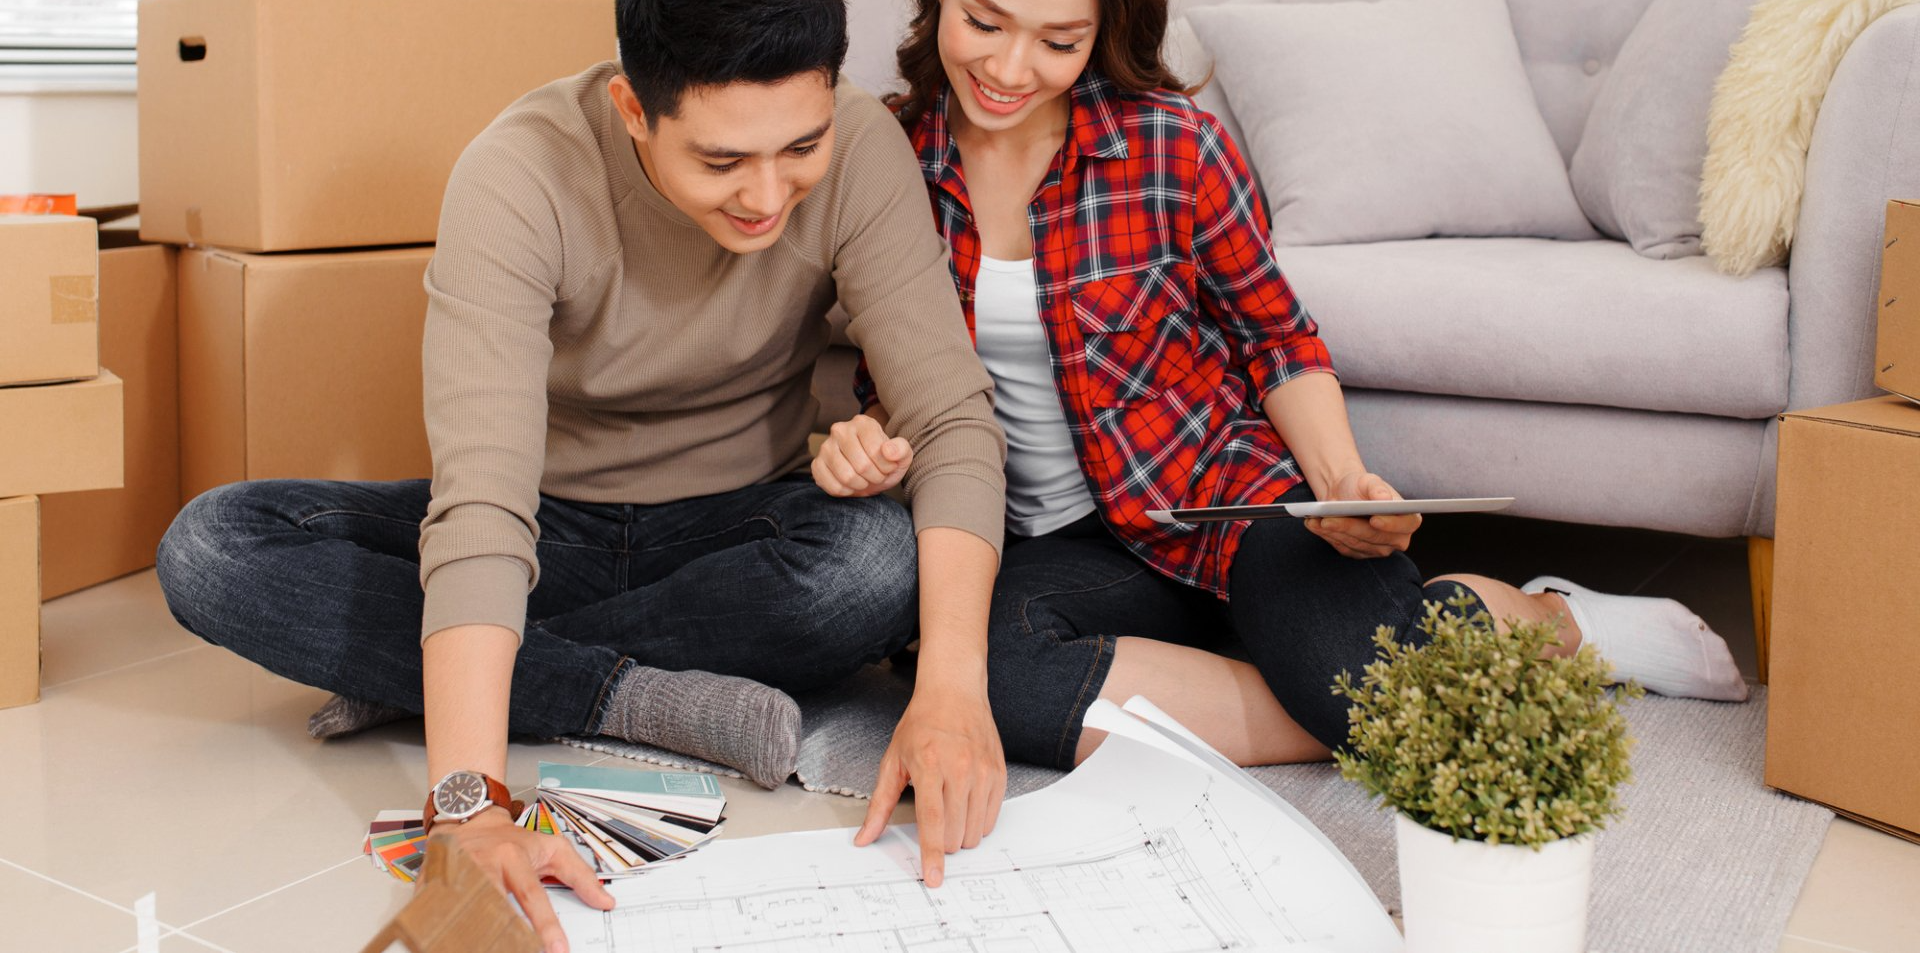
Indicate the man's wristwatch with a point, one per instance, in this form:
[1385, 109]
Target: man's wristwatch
[462, 795]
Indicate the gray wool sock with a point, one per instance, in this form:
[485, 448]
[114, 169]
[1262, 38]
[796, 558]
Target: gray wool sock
[734, 721]
[342, 716]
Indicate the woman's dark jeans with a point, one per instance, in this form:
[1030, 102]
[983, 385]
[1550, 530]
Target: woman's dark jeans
[1302, 612]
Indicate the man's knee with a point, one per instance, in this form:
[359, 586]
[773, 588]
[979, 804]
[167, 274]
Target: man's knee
[195, 550]
[860, 599]
[203, 533]
[202, 556]
[879, 541]
[872, 557]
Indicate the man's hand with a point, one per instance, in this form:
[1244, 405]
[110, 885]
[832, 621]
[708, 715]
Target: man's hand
[859, 459]
[516, 858]
[1369, 537]
[947, 747]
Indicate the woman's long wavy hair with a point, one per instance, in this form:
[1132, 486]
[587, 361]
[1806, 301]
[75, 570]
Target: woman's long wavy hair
[1126, 51]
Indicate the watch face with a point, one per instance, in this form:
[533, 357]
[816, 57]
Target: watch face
[460, 794]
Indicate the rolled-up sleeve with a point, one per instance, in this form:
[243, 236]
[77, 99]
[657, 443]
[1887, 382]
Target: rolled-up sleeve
[891, 272]
[490, 292]
[1241, 286]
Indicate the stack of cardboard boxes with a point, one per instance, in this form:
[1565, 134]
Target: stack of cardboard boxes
[272, 129]
[60, 413]
[1845, 644]
[90, 537]
[293, 156]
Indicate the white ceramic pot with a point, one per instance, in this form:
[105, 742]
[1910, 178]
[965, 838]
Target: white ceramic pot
[1472, 897]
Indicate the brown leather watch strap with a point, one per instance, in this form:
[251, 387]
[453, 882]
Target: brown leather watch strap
[496, 792]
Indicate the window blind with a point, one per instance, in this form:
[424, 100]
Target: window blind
[67, 45]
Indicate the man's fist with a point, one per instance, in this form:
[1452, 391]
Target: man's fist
[859, 459]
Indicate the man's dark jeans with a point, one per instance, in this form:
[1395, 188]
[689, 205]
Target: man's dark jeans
[319, 581]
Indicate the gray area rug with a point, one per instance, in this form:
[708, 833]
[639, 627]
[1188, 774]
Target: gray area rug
[1706, 858]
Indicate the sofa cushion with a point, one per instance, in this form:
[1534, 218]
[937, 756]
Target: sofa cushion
[1392, 119]
[1637, 171]
[1562, 322]
[1569, 47]
[1682, 473]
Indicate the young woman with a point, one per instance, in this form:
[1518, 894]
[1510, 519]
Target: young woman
[1113, 260]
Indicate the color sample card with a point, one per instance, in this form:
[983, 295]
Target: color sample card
[621, 820]
[627, 819]
[397, 843]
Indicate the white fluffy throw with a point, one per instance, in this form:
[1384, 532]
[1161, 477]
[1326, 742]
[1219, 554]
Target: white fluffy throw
[1762, 121]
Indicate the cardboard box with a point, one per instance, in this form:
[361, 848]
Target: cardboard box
[274, 125]
[1846, 612]
[98, 535]
[1896, 365]
[301, 366]
[49, 311]
[19, 601]
[59, 438]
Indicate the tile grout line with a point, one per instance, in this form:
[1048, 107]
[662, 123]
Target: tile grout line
[325, 870]
[176, 931]
[67, 886]
[167, 929]
[182, 930]
[122, 668]
[203, 941]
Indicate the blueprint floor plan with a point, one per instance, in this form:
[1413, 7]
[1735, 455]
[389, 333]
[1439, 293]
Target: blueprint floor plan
[1146, 848]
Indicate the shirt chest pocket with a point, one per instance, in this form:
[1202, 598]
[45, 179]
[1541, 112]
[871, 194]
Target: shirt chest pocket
[1138, 333]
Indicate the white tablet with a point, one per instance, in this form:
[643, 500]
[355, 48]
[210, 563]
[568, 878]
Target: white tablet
[1223, 514]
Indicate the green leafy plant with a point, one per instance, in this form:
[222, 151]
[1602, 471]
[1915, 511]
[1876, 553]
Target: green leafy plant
[1476, 735]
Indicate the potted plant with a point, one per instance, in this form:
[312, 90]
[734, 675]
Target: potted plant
[1500, 765]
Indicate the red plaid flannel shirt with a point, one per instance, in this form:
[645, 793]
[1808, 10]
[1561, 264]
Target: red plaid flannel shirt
[1167, 317]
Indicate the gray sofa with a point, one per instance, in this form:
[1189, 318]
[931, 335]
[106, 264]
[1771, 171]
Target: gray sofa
[1593, 384]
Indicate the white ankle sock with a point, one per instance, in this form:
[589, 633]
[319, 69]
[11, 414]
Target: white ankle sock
[1656, 642]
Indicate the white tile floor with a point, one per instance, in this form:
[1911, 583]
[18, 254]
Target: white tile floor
[158, 764]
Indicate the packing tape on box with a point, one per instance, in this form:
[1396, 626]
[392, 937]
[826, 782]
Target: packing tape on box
[75, 299]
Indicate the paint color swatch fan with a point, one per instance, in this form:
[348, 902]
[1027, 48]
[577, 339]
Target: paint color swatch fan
[622, 820]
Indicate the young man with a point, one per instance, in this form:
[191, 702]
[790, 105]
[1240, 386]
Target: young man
[626, 303]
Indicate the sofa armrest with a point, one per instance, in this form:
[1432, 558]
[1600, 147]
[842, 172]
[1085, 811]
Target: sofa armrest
[1865, 150]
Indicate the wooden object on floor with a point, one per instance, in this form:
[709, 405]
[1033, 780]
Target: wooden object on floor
[456, 909]
[1760, 572]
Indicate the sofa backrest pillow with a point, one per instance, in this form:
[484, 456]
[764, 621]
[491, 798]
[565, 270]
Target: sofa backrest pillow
[1394, 119]
[1568, 47]
[1637, 171]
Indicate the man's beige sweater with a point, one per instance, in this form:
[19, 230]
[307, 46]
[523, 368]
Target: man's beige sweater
[586, 340]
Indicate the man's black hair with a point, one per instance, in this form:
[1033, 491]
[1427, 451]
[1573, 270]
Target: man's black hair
[670, 46]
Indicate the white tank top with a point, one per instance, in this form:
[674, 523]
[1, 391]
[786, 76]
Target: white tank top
[1045, 490]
